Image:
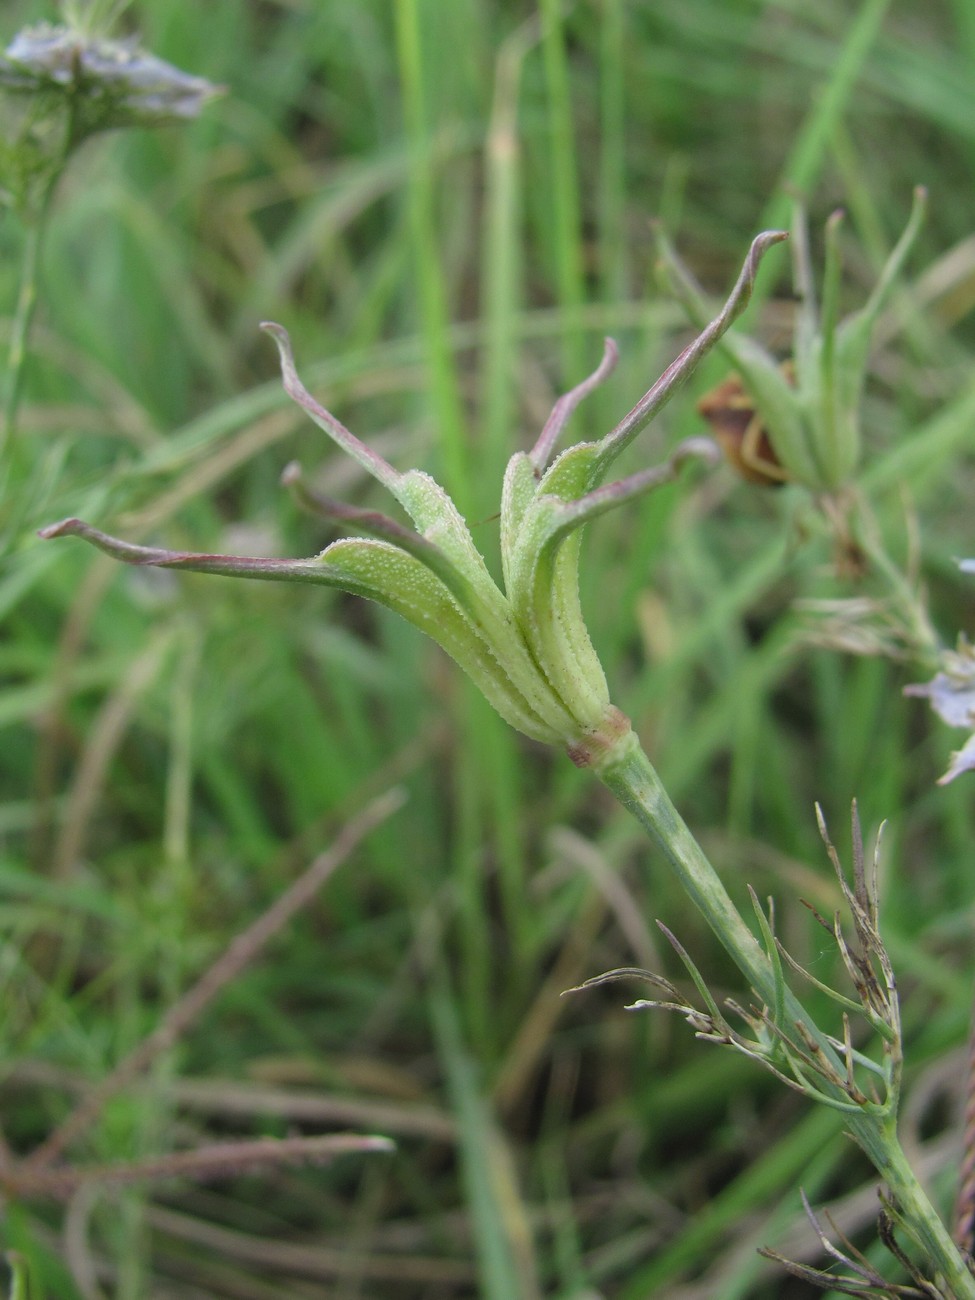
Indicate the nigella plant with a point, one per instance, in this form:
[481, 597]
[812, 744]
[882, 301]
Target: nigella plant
[527, 648]
[60, 84]
[799, 421]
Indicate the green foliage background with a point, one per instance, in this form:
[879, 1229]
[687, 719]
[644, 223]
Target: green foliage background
[448, 206]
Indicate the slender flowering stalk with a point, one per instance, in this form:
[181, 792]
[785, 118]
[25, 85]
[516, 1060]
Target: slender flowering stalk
[527, 647]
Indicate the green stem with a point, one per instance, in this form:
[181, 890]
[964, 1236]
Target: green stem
[20, 328]
[16, 488]
[35, 215]
[628, 773]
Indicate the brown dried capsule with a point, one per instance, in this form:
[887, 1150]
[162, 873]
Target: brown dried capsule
[738, 427]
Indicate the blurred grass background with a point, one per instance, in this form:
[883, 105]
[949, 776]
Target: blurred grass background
[448, 206]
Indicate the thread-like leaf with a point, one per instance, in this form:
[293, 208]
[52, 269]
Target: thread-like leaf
[567, 403]
[680, 370]
[376, 524]
[379, 571]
